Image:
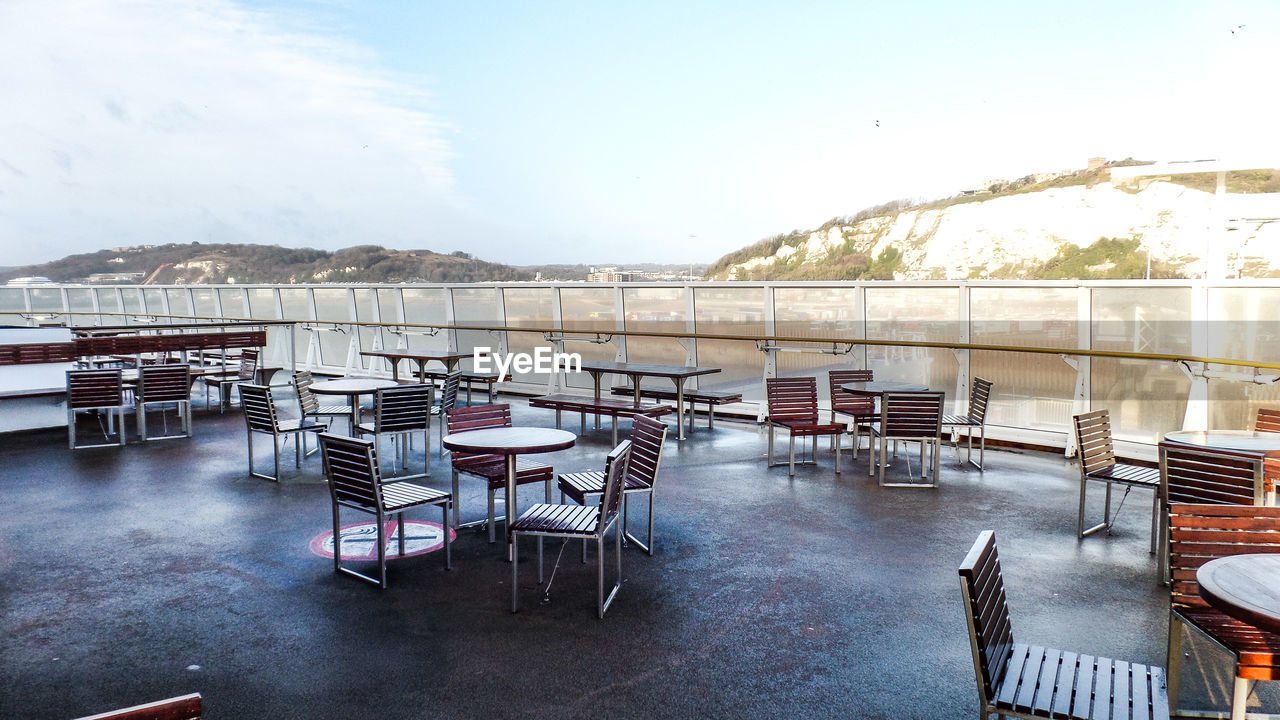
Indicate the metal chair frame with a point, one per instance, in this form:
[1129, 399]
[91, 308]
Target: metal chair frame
[355, 481]
[260, 417]
[448, 401]
[914, 417]
[860, 408]
[401, 411]
[1098, 464]
[246, 372]
[578, 522]
[95, 390]
[490, 468]
[163, 384]
[976, 418]
[310, 406]
[793, 404]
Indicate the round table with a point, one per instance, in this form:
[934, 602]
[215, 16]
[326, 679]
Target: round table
[880, 388]
[510, 442]
[1246, 587]
[352, 388]
[1265, 442]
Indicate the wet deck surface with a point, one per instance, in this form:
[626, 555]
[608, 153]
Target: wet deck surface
[130, 575]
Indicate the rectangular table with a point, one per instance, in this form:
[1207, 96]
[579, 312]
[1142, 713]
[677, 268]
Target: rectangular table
[635, 371]
[448, 358]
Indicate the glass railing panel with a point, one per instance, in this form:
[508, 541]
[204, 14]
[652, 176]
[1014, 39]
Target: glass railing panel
[296, 304]
[204, 303]
[730, 311]
[587, 309]
[233, 303]
[655, 310]
[1145, 398]
[179, 301]
[1242, 324]
[1031, 391]
[46, 300]
[425, 306]
[153, 302]
[262, 304]
[80, 300]
[109, 302]
[476, 306]
[334, 305]
[833, 312]
[528, 307]
[390, 312]
[367, 311]
[13, 303]
[916, 314]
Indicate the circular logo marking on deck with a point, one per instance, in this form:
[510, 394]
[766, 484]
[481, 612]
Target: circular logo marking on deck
[360, 541]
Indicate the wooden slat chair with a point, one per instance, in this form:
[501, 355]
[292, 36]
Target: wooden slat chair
[310, 405]
[226, 382]
[975, 419]
[647, 437]
[184, 707]
[164, 384]
[1268, 420]
[448, 401]
[1208, 476]
[1098, 464]
[260, 417]
[97, 390]
[914, 417]
[793, 404]
[1199, 533]
[1030, 681]
[351, 467]
[585, 522]
[401, 411]
[490, 467]
[860, 409]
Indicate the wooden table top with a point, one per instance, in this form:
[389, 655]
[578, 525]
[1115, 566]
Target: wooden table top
[1266, 442]
[351, 386]
[628, 368]
[881, 387]
[1246, 587]
[510, 440]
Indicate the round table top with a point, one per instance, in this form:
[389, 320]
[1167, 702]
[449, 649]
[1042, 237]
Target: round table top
[1228, 439]
[880, 387]
[1246, 587]
[510, 440]
[351, 386]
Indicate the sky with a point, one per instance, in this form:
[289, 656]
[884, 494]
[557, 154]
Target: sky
[585, 132]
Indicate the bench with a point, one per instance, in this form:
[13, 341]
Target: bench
[590, 406]
[711, 397]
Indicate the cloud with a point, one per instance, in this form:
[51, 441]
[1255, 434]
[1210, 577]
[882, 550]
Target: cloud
[152, 121]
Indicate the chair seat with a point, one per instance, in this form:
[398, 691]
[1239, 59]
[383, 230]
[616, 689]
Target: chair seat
[1258, 650]
[579, 485]
[562, 519]
[797, 427]
[400, 495]
[1052, 683]
[960, 420]
[1128, 475]
[494, 469]
[331, 410]
[285, 426]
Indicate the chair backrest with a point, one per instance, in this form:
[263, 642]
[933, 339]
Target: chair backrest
[248, 364]
[164, 383]
[1093, 438]
[476, 418]
[94, 388]
[647, 437]
[793, 399]
[449, 393]
[615, 472]
[259, 408]
[979, 396]
[400, 408]
[847, 402]
[307, 400]
[1211, 476]
[911, 414]
[1268, 420]
[987, 611]
[351, 466]
[185, 707]
[1199, 533]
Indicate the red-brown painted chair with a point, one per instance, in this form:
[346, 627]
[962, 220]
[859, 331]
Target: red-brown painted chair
[163, 384]
[260, 417]
[973, 421]
[859, 409]
[491, 468]
[913, 417]
[1030, 681]
[793, 404]
[101, 391]
[1197, 534]
[399, 412]
[185, 707]
[1268, 420]
[1098, 464]
[226, 382]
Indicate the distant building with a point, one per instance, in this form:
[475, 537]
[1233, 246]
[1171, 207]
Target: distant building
[123, 277]
[612, 275]
[29, 281]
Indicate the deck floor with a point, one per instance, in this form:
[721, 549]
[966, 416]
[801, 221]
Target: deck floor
[130, 575]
